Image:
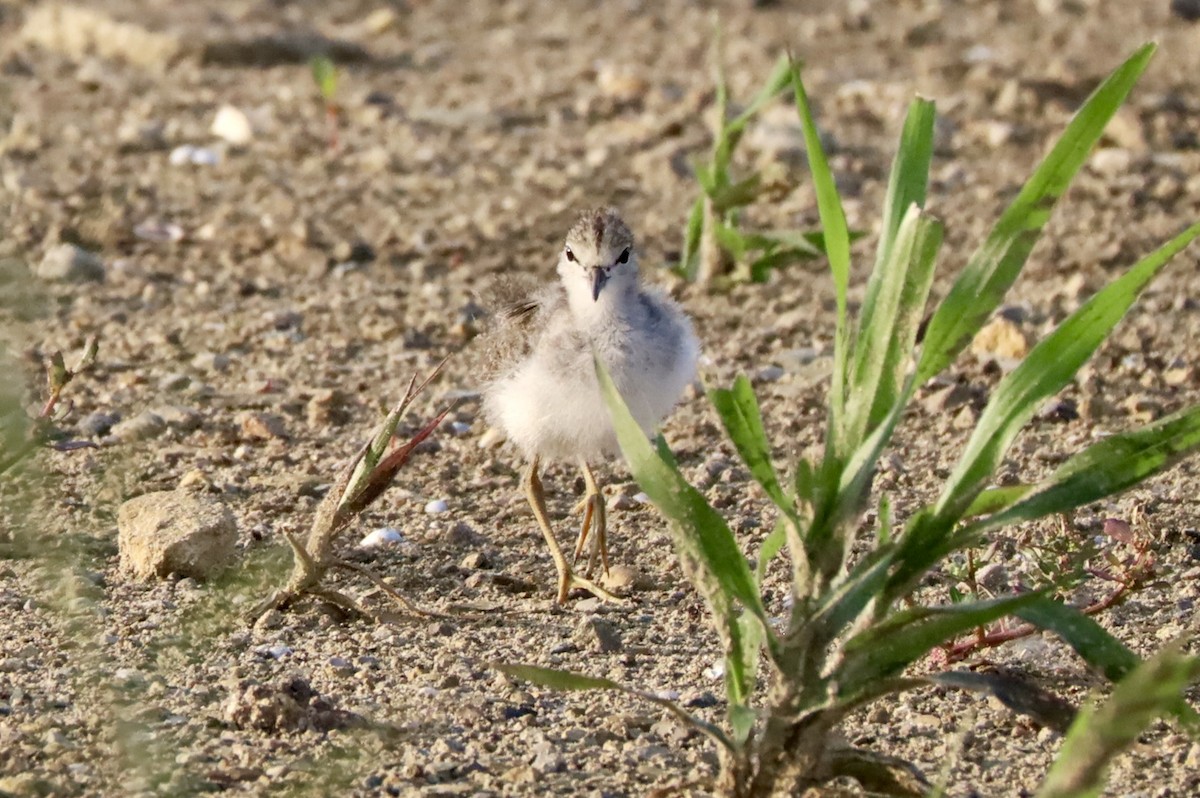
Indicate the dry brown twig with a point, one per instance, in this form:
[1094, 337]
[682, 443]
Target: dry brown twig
[363, 479]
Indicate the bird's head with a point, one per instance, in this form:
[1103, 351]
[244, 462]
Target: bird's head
[598, 262]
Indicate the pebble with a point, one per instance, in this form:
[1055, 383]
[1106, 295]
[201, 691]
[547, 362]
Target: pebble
[143, 426]
[174, 382]
[597, 634]
[96, 424]
[1188, 10]
[262, 426]
[278, 651]
[210, 361]
[474, 561]
[1001, 338]
[196, 156]
[175, 532]
[158, 232]
[67, 263]
[232, 125]
[459, 428]
[622, 577]
[437, 506]
[385, 536]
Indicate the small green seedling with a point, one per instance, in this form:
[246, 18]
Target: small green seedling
[716, 249]
[325, 75]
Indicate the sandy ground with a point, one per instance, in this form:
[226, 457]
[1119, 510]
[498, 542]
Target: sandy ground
[266, 304]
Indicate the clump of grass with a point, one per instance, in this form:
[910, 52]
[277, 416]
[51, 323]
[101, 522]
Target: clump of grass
[715, 247]
[361, 481]
[855, 625]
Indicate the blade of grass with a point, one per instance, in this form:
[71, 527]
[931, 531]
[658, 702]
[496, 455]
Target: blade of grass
[995, 266]
[699, 530]
[888, 330]
[1104, 730]
[886, 648]
[1106, 468]
[837, 247]
[1045, 371]
[906, 187]
[737, 407]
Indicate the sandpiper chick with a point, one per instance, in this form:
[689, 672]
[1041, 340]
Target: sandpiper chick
[543, 391]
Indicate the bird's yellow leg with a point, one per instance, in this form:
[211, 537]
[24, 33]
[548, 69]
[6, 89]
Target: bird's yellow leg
[566, 578]
[594, 513]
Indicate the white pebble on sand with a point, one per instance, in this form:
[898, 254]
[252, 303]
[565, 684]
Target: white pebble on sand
[437, 506]
[384, 536]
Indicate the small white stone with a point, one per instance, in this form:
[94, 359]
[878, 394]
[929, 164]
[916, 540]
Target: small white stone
[715, 671]
[232, 125]
[385, 536]
[437, 506]
[641, 498]
[181, 155]
[186, 154]
[278, 651]
[203, 156]
[459, 428]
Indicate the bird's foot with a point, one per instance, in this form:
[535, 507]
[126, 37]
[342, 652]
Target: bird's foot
[595, 517]
[568, 579]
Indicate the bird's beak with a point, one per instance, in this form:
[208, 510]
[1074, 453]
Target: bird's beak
[599, 278]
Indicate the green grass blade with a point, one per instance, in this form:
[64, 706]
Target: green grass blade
[771, 546]
[324, 74]
[995, 266]
[572, 682]
[889, 322]
[1102, 731]
[886, 648]
[700, 532]
[689, 259]
[843, 605]
[908, 180]
[1098, 649]
[1045, 371]
[738, 410]
[779, 79]
[837, 247]
[1106, 468]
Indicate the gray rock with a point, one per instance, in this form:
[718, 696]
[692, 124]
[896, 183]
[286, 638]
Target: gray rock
[597, 634]
[68, 263]
[141, 427]
[179, 419]
[97, 424]
[177, 532]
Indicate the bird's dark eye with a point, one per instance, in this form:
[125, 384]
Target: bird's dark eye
[624, 256]
[570, 255]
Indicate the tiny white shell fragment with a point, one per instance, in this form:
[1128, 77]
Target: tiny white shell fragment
[232, 125]
[715, 671]
[385, 536]
[437, 506]
[459, 428]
